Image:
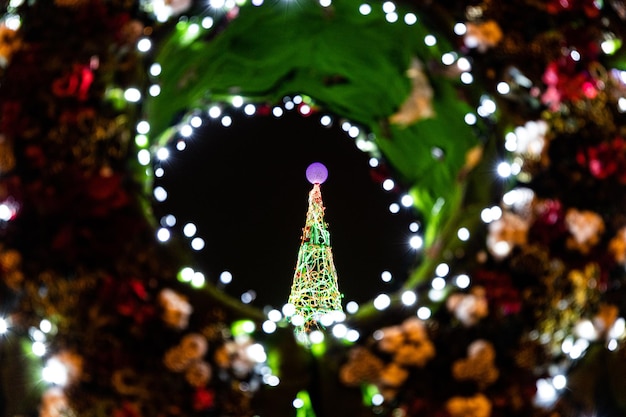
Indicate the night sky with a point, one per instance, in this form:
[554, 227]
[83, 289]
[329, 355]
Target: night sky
[245, 188]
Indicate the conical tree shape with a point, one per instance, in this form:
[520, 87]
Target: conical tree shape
[314, 291]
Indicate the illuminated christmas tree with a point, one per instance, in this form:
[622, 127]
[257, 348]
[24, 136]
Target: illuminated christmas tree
[314, 292]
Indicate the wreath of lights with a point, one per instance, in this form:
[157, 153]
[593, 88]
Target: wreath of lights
[305, 105]
[222, 114]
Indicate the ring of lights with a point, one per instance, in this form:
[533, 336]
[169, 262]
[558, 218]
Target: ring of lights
[399, 99]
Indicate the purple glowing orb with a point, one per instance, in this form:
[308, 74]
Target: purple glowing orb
[316, 173]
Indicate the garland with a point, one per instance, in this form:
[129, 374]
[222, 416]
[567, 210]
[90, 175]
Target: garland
[96, 305]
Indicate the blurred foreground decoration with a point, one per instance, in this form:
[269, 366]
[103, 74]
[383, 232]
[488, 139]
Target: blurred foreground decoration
[510, 136]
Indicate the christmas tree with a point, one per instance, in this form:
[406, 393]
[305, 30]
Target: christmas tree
[314, 294]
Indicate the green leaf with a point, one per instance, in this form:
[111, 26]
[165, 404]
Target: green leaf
[306, 408]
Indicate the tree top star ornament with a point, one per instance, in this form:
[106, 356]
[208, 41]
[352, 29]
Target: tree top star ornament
[315, 300]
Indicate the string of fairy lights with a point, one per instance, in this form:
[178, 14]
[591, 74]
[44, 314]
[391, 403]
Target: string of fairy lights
[523, 138]
[222, 113]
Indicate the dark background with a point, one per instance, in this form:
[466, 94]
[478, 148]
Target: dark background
[245, 189]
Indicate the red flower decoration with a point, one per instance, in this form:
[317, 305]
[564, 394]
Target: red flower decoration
[502, 296]
[74, 84]
[607, 159]
[129, 297]
[566, 81]
[549, 223]
[588, 7]
[105, 193]
[127, 409]
[203, 399]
